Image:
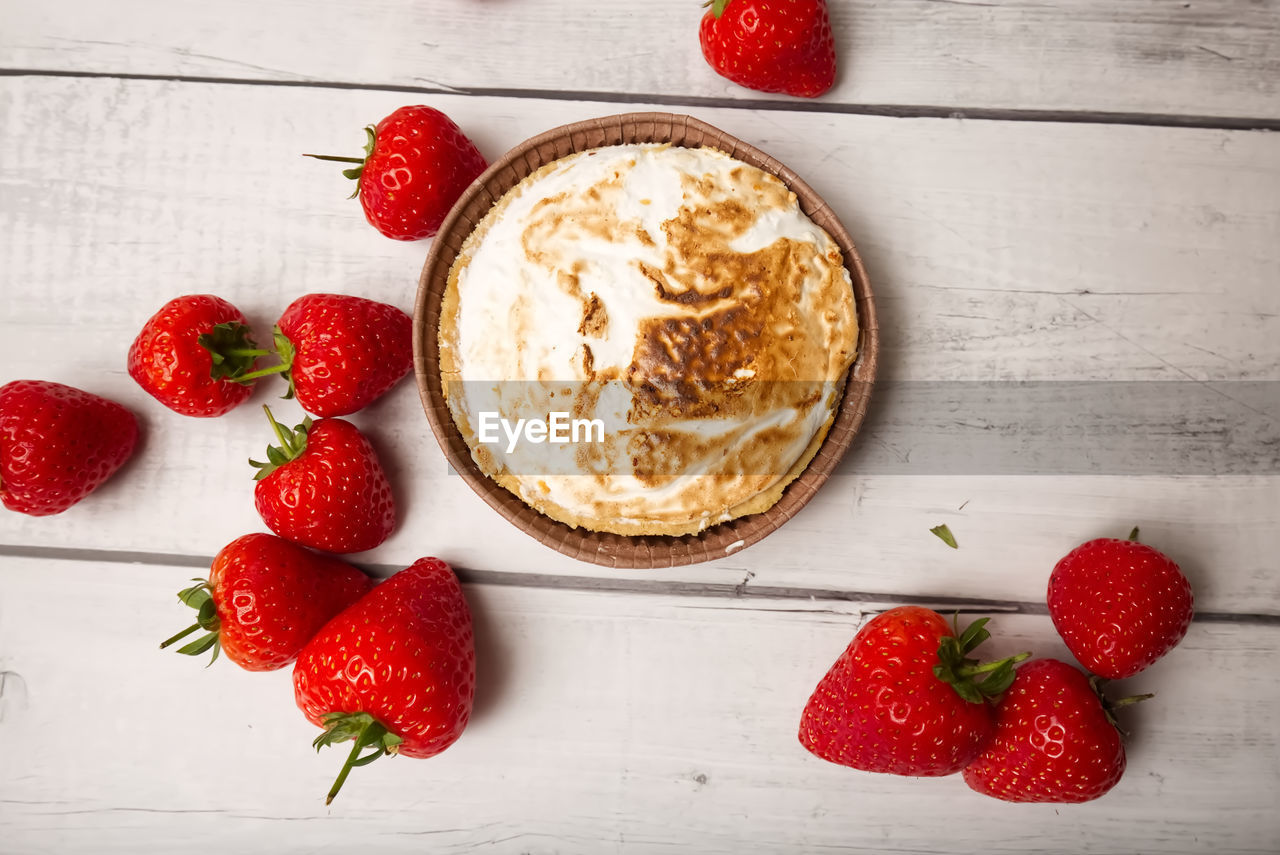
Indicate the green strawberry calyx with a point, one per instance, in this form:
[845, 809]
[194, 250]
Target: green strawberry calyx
[366, 731]
[232, 351]
[285, 351]
[717, 6]
[1109, 706]
[973, 680]
[293, 442]
[200, 598]
[356, 171]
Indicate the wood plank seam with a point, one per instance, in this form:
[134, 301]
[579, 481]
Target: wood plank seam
[607, 585]
[900, 111]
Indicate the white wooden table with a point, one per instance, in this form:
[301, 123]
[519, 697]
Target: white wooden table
[1083, 191]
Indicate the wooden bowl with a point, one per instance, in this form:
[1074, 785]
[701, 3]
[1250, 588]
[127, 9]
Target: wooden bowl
[613, 550]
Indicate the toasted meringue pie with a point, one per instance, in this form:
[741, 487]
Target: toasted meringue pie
[646, 339]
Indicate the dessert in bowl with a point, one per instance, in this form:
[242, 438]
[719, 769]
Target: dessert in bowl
[682, 298]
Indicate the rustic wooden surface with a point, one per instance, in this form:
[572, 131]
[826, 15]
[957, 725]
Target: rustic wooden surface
[606, 723]
[1106, 217]
[1195, 61]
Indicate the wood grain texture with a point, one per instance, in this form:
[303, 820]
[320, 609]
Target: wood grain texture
[999, 251]
[604, 723]
[1140, 56]
[655, 711]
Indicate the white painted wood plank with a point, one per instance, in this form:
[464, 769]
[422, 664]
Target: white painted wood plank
[980, 237]
[1148, 56]
[998, 251]
[605, 723]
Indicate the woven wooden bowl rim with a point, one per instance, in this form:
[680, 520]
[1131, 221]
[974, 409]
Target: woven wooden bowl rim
[612, 550]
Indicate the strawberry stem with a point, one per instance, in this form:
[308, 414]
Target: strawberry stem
[1133, 535]
[285, 351]
[292, 444]
[367, 732]
[175, 638]
[988, 667]
[1109, 706]
[368, 736]
[200, 598]
[263, 372]
[356, 171]
[335, 158]
[283, 434]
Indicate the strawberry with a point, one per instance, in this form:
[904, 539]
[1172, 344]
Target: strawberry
[340, 353]
[58, 444]
[902, 698]
[323, 487]
[417, 163]
[265, 599]
[771, 45]
[190, 353]
[1055, 739]
[396, 672]
[1119, 605]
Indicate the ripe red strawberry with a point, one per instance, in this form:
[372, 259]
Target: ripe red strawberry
[1055, 741]
[771, 45]
[265, 599]
[58, 444]
[323, 487]
[340, 353]
[902, 697]
[396, 672]
[417, 163]
[1119, 605]
[190, 353]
